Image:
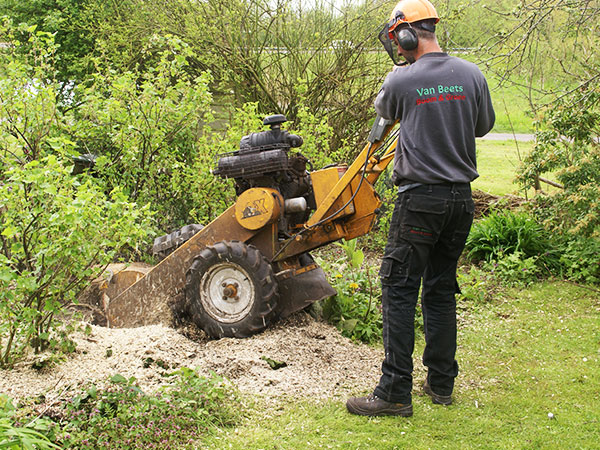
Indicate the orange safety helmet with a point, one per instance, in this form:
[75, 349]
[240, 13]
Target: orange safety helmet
[406, 12]
[410, 11]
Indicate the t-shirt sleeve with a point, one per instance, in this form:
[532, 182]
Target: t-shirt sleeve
[385, 104]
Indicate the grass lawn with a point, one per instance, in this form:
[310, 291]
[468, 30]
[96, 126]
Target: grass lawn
[513, 111]
[527, 354]
[497, 162]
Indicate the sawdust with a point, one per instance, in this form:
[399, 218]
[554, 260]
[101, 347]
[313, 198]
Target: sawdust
[320, 363]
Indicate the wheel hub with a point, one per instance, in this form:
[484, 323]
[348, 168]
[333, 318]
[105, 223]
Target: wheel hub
[230, 291]
[227, 292]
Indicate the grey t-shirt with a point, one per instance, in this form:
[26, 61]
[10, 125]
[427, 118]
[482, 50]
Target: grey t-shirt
[443, 103]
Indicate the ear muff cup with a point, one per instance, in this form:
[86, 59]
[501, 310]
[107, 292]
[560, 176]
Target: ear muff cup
[407, 38]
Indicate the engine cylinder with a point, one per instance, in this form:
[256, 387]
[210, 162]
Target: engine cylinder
[295, 205]
[252, 165]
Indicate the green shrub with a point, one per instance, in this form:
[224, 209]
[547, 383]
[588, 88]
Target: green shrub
[144, 125]
[56, 229]
[516, 249]
[35, 435]
[355, 310]
[56, 233]
[580, 260]
[567, 147]
[123, 416]
[476, 285]
[503, 233]
[514, 269]
[29, 113]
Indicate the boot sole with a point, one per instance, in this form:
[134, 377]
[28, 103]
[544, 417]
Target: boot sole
[437, 399]
[403, 412]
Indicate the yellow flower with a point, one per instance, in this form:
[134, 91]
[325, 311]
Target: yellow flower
[338, 275]
[354, 285]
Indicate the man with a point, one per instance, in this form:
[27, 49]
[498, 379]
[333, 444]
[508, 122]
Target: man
[442, 103]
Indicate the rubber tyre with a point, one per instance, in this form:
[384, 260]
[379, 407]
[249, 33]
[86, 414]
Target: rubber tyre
[231, 263]
[165, 245]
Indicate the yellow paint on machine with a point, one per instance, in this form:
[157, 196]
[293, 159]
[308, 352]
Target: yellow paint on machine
[258, 207]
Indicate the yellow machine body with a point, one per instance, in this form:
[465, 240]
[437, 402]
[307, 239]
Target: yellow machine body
[323, 182]
[346, 207]
[258, 207]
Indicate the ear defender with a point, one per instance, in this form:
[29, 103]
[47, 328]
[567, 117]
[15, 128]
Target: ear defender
[399, 31]
[407, 38]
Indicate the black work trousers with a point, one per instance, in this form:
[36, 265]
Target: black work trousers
[429, 227]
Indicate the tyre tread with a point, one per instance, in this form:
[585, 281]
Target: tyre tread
[252, 260]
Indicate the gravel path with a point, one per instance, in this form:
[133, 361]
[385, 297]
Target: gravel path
[508, 137]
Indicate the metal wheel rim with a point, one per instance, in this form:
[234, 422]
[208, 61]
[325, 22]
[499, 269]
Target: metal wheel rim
[219, 306]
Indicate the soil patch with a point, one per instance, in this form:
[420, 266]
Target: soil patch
[485, 201]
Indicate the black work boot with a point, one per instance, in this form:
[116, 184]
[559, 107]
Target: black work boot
[374, 406]
[445, 400]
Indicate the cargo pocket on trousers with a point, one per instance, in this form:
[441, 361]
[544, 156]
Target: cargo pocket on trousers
[395, 265]
[424, 218]
[463, 227]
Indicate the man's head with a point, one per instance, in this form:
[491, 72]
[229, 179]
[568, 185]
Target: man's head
[410, 21]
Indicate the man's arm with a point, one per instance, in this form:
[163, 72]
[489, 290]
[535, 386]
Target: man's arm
[386, 105]
[486, 116]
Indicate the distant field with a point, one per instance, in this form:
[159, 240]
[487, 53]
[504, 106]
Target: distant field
[497, 163]
[513, 112]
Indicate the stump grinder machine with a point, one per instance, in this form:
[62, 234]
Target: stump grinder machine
[250, 266]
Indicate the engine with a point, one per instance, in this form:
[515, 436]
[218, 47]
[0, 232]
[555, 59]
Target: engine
[264, 160]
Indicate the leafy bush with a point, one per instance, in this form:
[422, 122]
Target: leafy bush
[56, 230]
[476, 285]
[34, 435]
[567, 147]
[514, 269]
[580, 260]
[502, 233]
[355, 310]
[55, 234]
[144, 126]
[122, 416]
[29, 112]
[517, 249]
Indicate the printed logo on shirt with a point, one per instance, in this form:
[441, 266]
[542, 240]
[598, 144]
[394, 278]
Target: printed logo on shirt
[440, 93]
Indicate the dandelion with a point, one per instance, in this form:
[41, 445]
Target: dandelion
[354, 286]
